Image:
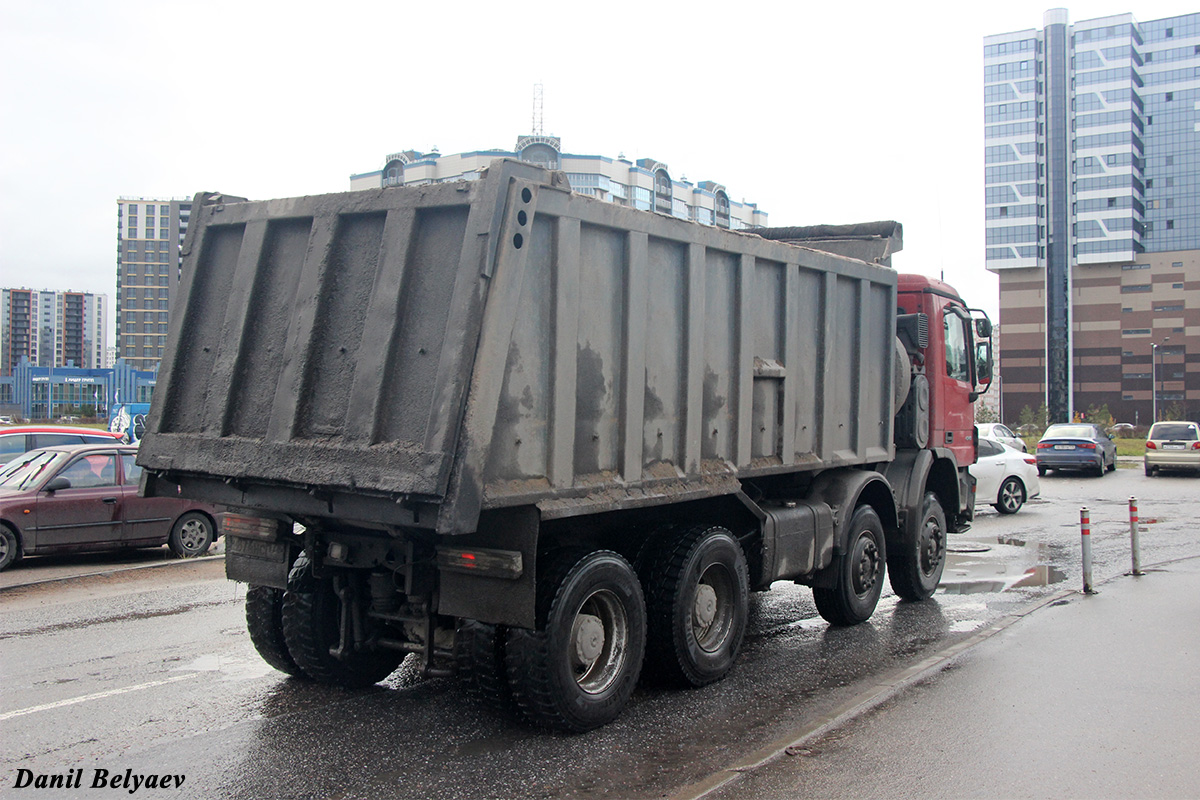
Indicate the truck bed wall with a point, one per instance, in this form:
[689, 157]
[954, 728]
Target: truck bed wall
[507, 342]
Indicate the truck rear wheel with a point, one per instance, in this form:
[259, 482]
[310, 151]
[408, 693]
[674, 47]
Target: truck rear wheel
[311, 625]
[915, 567]
[479, 656]
[578, 669]
[859, 573]
[697, 603]
[264, 621]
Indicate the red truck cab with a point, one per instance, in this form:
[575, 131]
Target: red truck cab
[957, 361]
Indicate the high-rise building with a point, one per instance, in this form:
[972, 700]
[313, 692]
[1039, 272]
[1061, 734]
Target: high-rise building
[646, 184]
[52, 329]
[1092, 173]
[149, 233]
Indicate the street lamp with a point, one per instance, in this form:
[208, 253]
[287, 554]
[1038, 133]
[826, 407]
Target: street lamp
[1153, 383]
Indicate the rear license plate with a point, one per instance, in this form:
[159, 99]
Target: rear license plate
[1174, 447]
[1064, 447]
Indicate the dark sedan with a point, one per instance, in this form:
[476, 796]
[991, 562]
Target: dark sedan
[85, 497]
[1076, 445]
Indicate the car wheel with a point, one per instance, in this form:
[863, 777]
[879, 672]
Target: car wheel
[10, 547]
[1112, 465]
[1042, 471]
[1100, 468]
[1011, 497]
[1149, 471]
[191, 535]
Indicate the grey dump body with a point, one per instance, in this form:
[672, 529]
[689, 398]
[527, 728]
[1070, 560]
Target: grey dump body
[416, 356]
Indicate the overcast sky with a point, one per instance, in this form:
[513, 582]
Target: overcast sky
[819, 112]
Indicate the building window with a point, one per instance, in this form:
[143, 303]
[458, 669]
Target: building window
[662, 192]
[1170, 224]
[722, 204]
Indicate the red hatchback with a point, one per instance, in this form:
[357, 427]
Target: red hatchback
[85, 497]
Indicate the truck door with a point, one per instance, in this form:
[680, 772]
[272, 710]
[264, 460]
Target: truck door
[956, 383]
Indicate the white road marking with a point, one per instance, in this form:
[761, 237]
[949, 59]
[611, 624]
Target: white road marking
[97, 696]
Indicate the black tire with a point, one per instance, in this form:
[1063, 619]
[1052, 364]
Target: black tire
[859, 573]
[264, 621]
[191, 535]
[1042, 471]
[311, 621]
[915, 567]
[1112, 465]
[697, 602]
[578, 669]
[1100, 468]
[10, 547]
[479, 654]
[1010, 497]
[1149, 470]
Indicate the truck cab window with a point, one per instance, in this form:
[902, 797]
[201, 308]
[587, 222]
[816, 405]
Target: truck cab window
[957, 366]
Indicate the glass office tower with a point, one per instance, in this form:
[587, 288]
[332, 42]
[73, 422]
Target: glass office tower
[1091, 142]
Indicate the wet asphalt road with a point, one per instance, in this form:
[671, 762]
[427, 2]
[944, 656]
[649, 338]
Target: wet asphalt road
[151, 671]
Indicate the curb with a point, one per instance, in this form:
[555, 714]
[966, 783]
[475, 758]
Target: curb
[876, 695]
[118, 570]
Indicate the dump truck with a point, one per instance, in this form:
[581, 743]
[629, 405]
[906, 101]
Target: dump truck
[549, 443]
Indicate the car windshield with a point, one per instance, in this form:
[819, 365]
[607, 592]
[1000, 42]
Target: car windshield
[1177, 431]
[24, 471]
[1069, 432]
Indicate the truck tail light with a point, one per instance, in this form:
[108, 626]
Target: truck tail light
[252, 527]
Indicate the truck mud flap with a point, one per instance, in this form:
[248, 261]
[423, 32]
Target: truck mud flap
[257, 562]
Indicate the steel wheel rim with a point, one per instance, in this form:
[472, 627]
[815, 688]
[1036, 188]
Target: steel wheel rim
[192, 534]
[932, 538]
[599, 642]
[712, 608]
[866, 565]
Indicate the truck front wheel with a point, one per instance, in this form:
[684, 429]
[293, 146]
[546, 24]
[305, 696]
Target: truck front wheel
[859, 573]
[915, 567]
[578, 669]
[311, 628]
[697, 603]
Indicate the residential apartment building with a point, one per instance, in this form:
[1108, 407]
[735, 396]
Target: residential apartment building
[52, 329]
[646, 184]
[1092, 197]
[149, 233]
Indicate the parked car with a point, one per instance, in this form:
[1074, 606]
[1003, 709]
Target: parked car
[1076, 445]
[85, 497]
[1005, 477]
[1002, 433]
[22, 438]
[1172, 445]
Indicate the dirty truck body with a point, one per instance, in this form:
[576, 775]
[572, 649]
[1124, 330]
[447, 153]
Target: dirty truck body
[545, 441]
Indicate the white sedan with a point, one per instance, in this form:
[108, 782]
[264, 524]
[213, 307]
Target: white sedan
[1001, 433]
[1004, 477]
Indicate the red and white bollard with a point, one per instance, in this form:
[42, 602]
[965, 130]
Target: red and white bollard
[1134, 545]
[1085, 530]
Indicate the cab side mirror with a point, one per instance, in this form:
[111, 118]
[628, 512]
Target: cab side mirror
[983, 328]
[57, 483]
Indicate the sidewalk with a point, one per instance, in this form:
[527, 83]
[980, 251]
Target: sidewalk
[1088, 697]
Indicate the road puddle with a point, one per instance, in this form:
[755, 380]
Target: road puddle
[974, 567]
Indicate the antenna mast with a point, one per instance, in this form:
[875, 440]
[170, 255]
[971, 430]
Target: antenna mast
[537, 110]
